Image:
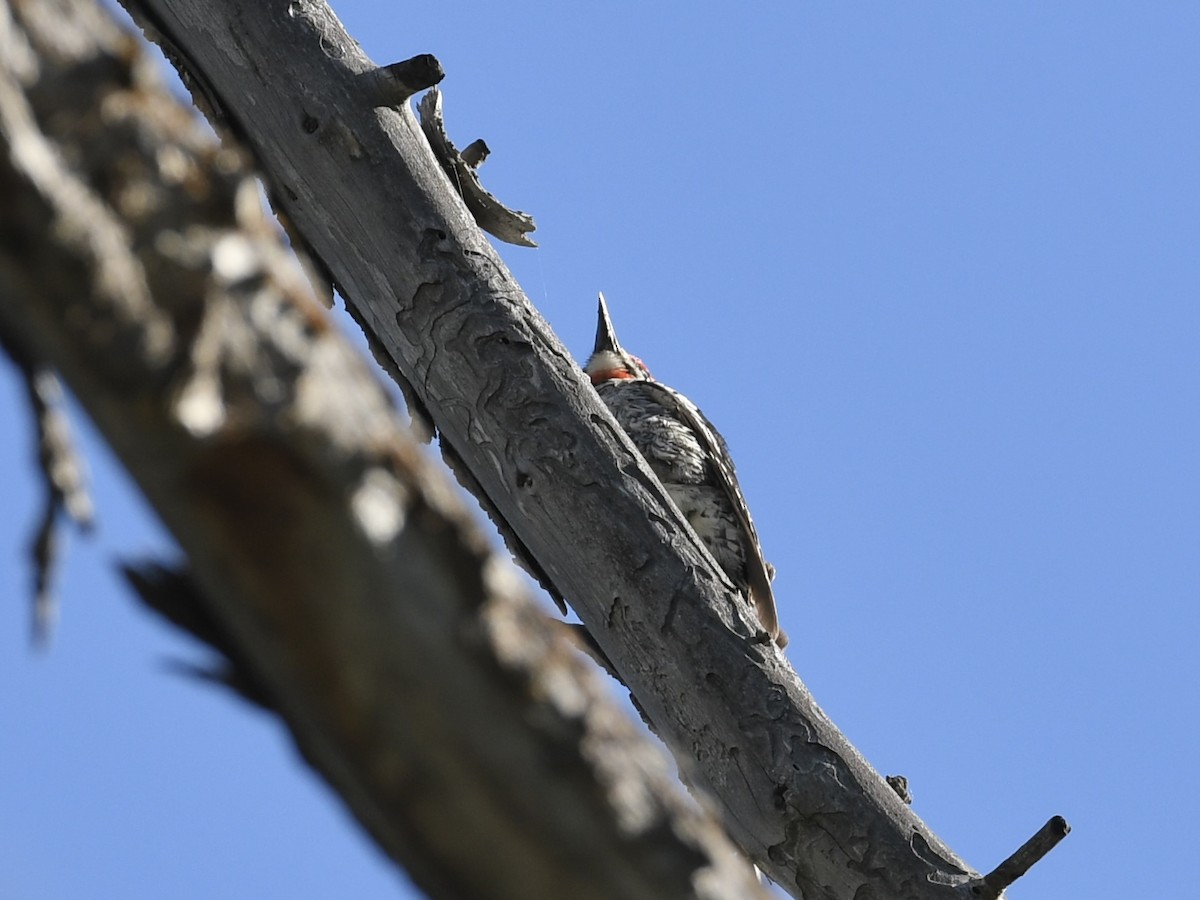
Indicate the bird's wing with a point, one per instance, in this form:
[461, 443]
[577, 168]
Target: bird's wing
[757, 571]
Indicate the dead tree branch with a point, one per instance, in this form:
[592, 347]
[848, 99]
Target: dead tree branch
[364, 189]
[336, 562]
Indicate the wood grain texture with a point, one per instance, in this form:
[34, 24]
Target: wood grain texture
[362, 187]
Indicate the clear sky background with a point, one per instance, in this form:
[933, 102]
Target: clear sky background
[933, 269]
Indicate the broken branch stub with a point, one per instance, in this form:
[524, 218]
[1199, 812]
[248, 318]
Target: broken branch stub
[393, 85]
[476, 152]
[1023, 859]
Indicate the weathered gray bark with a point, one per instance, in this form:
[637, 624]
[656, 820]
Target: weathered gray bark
[361, 187]
[455, 720]
[251, 432]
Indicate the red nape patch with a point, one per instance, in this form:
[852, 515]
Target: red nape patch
[610, 374]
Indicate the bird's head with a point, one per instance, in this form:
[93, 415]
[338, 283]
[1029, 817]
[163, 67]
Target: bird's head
[609, 362]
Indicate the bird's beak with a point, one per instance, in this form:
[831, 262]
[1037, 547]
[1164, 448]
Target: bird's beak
[606, 337]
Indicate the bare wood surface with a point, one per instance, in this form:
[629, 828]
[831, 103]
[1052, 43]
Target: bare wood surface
[366, 192]
[462, 730]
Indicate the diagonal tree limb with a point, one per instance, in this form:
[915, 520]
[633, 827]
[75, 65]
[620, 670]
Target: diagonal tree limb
[511, 403]
[332, 557]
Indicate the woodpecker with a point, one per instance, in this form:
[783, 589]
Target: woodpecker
[692, 461]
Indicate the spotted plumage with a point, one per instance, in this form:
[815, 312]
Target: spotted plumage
[692, 461]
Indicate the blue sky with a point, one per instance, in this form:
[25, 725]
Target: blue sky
[933, 270]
